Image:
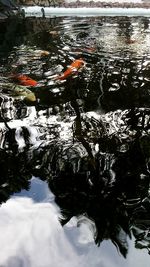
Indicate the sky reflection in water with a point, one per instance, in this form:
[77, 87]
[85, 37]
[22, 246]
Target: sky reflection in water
[31, 235]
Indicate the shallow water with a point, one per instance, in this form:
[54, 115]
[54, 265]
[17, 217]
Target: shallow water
[77, 153]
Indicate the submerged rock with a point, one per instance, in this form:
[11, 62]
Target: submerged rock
[18, 91]
[24, 92]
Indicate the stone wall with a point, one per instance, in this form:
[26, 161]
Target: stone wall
[40, 2]
[80, 3]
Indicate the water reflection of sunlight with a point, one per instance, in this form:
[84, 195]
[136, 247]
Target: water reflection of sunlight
[137, 43]
[32, 236]
[112, 36]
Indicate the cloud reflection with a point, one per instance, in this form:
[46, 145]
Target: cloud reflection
[31, 236]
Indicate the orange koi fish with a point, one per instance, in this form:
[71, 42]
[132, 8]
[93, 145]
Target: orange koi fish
[72, 69]
[24, 80]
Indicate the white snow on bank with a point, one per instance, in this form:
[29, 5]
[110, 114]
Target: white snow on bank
[59, 11]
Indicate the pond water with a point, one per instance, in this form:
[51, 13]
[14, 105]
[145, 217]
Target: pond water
[74, 143]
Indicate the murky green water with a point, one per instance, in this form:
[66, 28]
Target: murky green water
[74, 151]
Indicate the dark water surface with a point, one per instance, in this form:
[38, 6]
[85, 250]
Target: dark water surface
[75, 152]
